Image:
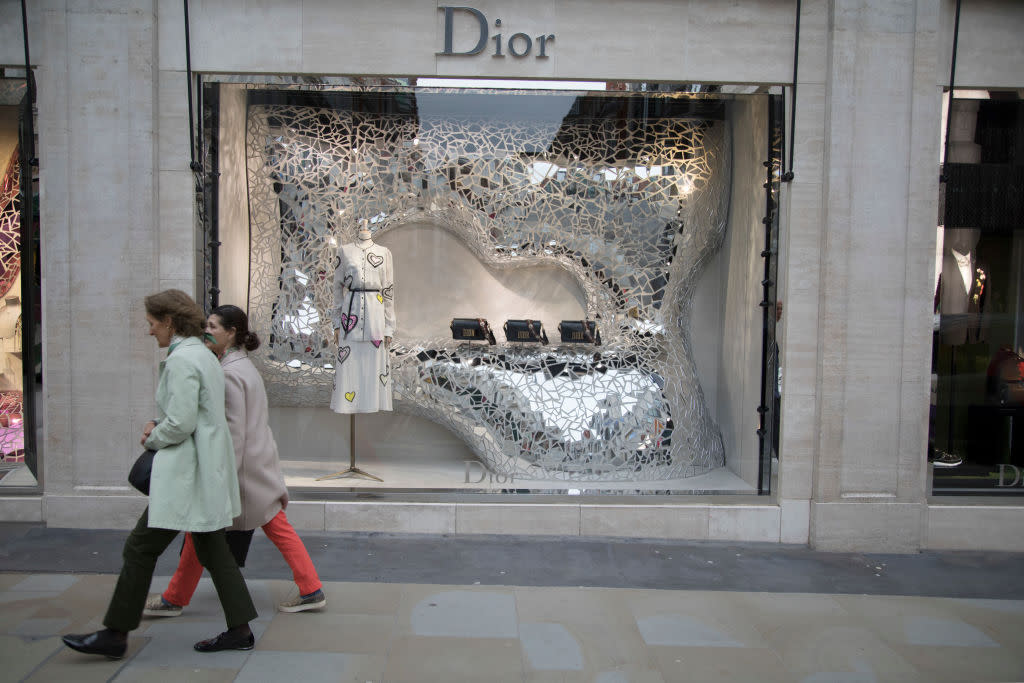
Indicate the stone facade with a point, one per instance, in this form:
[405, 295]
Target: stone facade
[857, 230]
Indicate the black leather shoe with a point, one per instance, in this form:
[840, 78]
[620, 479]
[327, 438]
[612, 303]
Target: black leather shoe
[99, 643]
[226, 641]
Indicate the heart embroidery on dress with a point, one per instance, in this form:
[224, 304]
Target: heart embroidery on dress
[384, 377]
[348, 322]
[380, 298]
[375, 259]
[376, 342]
[387, 291]
[349, 395]
[343, 354]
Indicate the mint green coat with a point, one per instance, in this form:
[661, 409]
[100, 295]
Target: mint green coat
[194, 485]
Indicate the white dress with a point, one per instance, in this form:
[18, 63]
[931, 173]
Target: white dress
[363, 314]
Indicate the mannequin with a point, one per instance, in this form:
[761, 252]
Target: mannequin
[364, 321]
[962, 289]
[363, 317]
[963, 284]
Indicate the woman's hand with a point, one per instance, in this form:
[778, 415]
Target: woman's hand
[147, 430]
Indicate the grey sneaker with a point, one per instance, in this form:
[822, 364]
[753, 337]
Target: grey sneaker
[156, 606]
[314, 600]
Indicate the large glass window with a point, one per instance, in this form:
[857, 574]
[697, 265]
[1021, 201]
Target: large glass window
[19, 277]
[976, 440]
[476, 289]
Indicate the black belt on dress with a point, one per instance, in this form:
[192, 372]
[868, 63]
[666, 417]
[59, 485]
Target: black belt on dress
[351, 297]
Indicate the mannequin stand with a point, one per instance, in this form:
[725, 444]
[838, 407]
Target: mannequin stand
[352, 470]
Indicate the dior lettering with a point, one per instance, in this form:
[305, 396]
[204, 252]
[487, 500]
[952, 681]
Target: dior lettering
[1017, 481]
[491, 477]
[518, 45]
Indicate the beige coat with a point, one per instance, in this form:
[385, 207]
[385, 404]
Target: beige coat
[260, 482]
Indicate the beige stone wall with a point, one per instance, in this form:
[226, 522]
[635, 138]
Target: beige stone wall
[738, 381]
[858, 221]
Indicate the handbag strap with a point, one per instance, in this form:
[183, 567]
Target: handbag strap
[486, 330]
[529, 326]
[586, 332]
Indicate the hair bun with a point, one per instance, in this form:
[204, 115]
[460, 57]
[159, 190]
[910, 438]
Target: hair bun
[252, 342]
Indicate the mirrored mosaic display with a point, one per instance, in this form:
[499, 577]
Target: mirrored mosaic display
[628, 193]
[12, 427]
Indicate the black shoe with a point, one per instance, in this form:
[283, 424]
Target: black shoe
[99, 643]
[944, 459]
[226, 641]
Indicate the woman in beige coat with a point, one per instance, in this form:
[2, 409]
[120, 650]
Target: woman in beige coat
[263, 493]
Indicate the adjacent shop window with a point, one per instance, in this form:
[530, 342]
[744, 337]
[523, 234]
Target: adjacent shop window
[18, 464]
[520, 291]
[976, 439]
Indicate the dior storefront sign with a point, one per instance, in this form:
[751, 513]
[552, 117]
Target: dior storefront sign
[517, 45]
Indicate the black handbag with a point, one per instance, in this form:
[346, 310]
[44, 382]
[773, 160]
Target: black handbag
[525, 331]
[141, 471]
[580, 332]
[238, 543]
[472, 329]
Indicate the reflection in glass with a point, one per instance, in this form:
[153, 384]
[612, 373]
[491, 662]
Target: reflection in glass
[976, 435]
[12, 429]
[625, 191]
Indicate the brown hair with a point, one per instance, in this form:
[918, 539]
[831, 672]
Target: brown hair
[187, 318]
[233, 317]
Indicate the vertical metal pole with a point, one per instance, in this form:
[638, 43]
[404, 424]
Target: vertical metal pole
[788, 175]
[212, 186]
[942, 179]
[764, 476]
[352, 441]
[195, 166]
[952, 81]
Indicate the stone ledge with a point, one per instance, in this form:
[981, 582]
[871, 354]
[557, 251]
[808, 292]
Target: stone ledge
[975, 527]
[93, 512]
[21, 508]
[685, 521]
[868, 526]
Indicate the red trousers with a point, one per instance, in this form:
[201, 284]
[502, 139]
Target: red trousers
[279, 530]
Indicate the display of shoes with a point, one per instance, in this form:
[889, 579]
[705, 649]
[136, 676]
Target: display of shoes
[226, 641]
[105, 642]
[156, 606]
[944, 459]
[314, 600]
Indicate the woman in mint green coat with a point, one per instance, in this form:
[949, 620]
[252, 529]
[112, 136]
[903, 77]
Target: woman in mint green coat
[188, 492]
[193, 487]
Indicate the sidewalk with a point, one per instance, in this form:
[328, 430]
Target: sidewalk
[411, 608]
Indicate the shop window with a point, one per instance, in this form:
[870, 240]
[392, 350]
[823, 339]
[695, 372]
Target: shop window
[18, 463]
[976, 436]
[619, 211]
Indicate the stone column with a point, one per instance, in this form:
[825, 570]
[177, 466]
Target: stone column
[800, 276]
[879, 193]
[97, 114]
